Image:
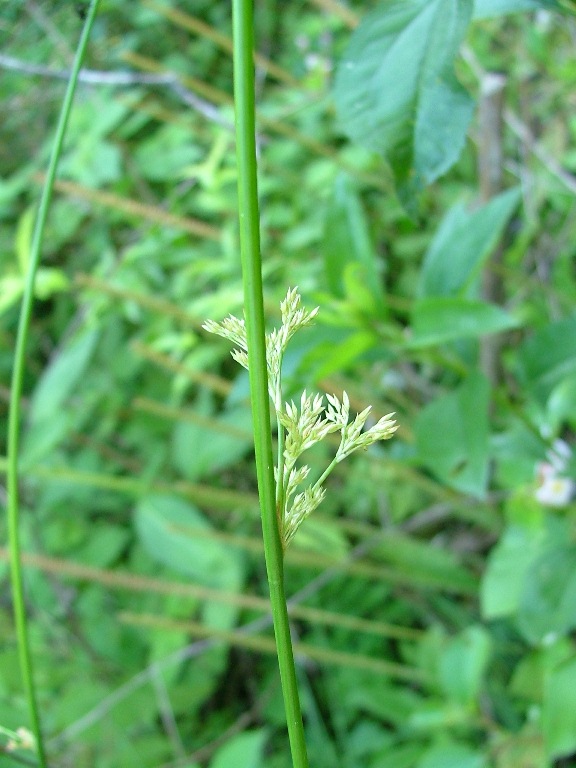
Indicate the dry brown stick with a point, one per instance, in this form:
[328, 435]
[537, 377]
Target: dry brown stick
[490, 171]
[121, 580]
[136, 208]
[344, 13]
[193, 24]
[267, 645]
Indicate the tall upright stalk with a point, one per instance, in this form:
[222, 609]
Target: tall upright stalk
[243, 21]
[14, 415]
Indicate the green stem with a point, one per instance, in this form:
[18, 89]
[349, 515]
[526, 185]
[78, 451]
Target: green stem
[280, 485]
[281, 437]
[255, 330]
[14, 414]
[325, 474]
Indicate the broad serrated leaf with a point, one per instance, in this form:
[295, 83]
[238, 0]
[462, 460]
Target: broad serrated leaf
[462, 243]
[396, 92]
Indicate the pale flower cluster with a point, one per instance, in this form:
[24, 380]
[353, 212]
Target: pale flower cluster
[21, 738]
[294, 317]
[301, 426]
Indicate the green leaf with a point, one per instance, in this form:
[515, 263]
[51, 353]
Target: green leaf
[452, 756]
[173, 533]
[203, 448]
[462, 244]
[516, 452]
[49, 281]
[61, 377]
[93, 162]
[531, 573]
[433, 566]
[41, 437]
[322, 535]
[527, 682]
[548, 357]
[444, 319]
[334, 356]
[165, 526]
[452, 436]
[166, 153]
[487, 8]
[463, 664]
[401, 756]
[508, 564]
[347, 239]
[104, 545]
[396, 92]
[561, 405]
[437, 716]
[11, 289]
[559, 710]
[245, 750]
[547, 606]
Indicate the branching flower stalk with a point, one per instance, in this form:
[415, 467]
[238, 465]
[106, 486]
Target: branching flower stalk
[253, 344]
[300, 426]
[262, 354]
[21, 738]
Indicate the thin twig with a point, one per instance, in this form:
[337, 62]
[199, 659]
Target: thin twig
[122, 79]
[167, 714]
[90, 76]
[548, 161]
[490, 171]
[345, 14]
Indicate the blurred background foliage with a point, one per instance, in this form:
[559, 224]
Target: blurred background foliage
[435, 591]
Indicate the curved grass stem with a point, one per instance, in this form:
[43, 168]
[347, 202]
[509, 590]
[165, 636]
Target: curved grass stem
[14, 415]
[243, 20]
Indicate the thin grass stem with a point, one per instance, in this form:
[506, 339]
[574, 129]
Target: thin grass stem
[14, 415]
[243, 22]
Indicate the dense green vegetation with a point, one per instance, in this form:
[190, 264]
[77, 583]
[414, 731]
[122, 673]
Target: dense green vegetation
[418, 184]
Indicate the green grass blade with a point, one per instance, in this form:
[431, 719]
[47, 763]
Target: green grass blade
[16, 393]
